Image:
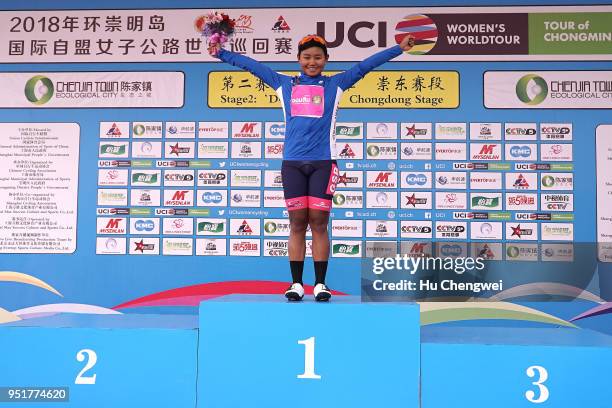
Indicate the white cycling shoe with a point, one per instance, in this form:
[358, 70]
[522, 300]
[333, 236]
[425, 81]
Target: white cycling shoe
[321, 292]
[295, 292]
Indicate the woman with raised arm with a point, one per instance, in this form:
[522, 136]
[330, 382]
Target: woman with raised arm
[309, 170]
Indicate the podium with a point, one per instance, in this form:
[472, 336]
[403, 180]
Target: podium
[513, 367]
[101, 360]
[261, 351]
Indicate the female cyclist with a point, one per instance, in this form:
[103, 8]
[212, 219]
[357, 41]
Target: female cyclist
[309, 171]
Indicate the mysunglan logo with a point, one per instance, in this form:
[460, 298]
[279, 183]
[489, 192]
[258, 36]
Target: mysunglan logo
[39, 90]
[531, 89]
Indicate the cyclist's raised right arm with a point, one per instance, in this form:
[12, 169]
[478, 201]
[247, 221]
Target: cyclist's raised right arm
[261, 71]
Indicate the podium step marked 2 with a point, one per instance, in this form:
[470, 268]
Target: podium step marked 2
[102, 360]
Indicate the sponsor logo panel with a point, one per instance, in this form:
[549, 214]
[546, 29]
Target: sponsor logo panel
[346, 249]
[521, 152]
[347, 228]
[486, 230]
[455, 180]
[382, 130]
[212, 198]
[277, 227]
[110, 246]
[381, 199]
[177, 226]
[114, 130]
[211, 247]
[213, 130]
[520, 131]
[113, 177]
[418, 200]
[273, 178]
[451, 131]
[521, 202]
[416, 151]
[147, 130]
[556, 131]
[276, 247]
[177, 246]
[451, 200]
[246, 130]
[381, 151]
[522, 231]
[245, 198]
[381, 179]
[215, 178]
[557, 181]
[485, 131]
[245, 178]
[179, 178]
[556, 202]
[275, 130]
[557, 231]
[111, 225]
[144, 246]
[245, 226]
[492, 251]
[213, 150]
[485, 180]
[109, 196]
[415, 130]
[211, 226]
[180, 130]
[246, 150]
[273, 150]
[348, 199]
[345, 130]
[144, 226]
[521, 181]
[245, 247]
[522, 252]
[178, 149]
[147, 150]
[381, 229]
[451, 230]
[416, 229]
[486, 201]
[349, 150]
[147, 178]
[274, 199]
[485, 151]
[450, 151]
[114, 150]
[557, 252]
[556, 152]
[414, 180]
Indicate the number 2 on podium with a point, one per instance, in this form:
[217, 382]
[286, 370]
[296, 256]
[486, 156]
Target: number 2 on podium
[309, 357]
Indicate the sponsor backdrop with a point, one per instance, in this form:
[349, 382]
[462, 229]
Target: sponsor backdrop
[138, 171]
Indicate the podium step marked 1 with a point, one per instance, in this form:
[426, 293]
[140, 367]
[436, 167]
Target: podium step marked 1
[100, 361]
[260, 351]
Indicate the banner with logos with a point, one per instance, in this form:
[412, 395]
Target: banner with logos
[153, 179]
[92, 90]
[271, 34]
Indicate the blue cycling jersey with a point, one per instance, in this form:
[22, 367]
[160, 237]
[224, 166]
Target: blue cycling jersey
[310, 103]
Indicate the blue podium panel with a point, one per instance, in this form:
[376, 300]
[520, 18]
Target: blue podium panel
[261, 351]
[101, 361]
[515, 367]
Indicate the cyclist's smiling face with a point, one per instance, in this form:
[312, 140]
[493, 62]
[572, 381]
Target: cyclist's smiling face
[312, 60]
